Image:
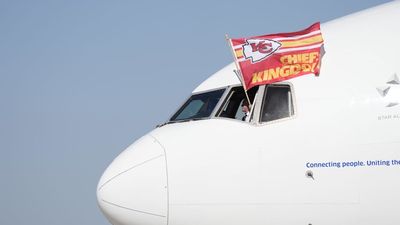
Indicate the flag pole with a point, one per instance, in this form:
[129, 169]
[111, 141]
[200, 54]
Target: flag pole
[238, 72]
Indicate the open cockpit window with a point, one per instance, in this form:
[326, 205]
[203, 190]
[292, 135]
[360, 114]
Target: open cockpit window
[233, 105]
[198, 106]
[277, 103]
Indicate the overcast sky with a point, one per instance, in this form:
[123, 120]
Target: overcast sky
[81, 80]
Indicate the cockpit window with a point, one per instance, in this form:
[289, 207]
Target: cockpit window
[233, 105]
[277, 103]
[198, 106]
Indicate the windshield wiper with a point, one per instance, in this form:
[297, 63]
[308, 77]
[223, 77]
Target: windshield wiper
[180, 121]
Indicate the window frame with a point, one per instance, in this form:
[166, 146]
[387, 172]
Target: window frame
[224, 103]
[255, 112]
[260, 99]
[227, 97]
[197, 93]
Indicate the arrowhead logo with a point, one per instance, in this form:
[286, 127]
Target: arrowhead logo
[391, 91]
[394, 79]
[383, 90]
[259, 49]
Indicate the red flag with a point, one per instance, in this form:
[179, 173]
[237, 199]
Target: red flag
[276, 57]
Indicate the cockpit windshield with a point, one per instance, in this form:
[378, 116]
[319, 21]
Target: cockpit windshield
[198, 106]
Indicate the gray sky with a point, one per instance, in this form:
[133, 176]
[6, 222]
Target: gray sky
[81, 80]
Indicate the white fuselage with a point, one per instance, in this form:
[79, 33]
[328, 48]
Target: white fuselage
[345, 132]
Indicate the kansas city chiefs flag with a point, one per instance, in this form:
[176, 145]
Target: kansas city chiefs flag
[276, 57]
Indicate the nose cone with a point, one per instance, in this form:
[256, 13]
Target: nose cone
[133, 189]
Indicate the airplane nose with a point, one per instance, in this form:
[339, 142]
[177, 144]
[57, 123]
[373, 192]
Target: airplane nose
[133, 189]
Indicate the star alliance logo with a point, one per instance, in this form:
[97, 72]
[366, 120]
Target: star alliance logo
[391, 91]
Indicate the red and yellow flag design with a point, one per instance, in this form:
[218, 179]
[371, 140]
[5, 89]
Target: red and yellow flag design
[276, 57]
